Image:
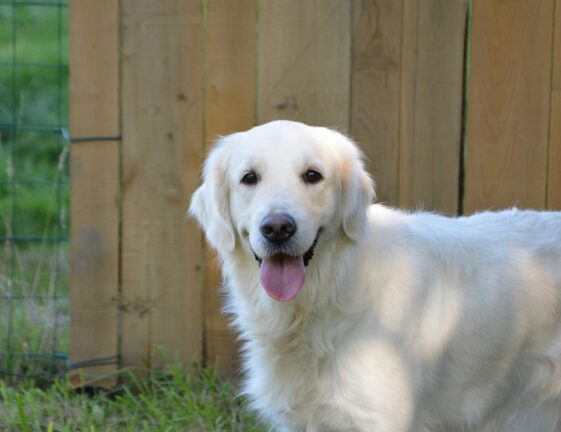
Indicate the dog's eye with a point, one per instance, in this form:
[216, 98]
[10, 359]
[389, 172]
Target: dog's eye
[250, 178]
[312, 176]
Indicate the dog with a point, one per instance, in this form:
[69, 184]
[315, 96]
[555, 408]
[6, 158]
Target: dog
[358, 317]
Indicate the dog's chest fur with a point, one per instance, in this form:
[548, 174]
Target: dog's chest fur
[291, 350]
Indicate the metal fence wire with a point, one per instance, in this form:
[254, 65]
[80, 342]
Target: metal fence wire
[34, 189]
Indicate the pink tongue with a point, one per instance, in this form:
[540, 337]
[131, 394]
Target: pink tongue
[282, 277]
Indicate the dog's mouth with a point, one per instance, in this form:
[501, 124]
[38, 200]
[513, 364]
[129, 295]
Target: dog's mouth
[283, 275]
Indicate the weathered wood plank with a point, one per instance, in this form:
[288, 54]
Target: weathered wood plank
[304, 62]
[375, 83]
[94, 108]
[94, 68]
[230, 107]
[94, 276]
[509, 104]
[431, 104]
[162, 93]
[554, 170]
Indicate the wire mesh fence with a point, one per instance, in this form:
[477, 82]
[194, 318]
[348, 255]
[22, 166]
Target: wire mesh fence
[34, 189]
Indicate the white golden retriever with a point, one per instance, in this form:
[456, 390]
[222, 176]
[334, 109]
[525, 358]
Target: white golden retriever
[358, 317]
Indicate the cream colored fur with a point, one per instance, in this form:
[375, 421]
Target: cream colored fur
[406, 321]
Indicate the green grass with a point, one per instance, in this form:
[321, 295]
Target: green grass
[36, 318]
[200, 400]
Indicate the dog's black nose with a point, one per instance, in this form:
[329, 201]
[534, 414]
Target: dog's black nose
[278, 227]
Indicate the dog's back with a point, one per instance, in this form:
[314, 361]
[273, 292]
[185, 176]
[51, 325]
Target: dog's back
[481, 313]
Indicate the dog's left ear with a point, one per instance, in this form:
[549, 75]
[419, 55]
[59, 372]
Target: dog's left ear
[357, 193]
[209, 204]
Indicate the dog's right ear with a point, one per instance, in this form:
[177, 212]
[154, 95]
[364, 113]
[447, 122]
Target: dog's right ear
[210, 203]
[357, 191]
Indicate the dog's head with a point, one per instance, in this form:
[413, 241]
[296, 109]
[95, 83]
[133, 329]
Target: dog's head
[275, 191]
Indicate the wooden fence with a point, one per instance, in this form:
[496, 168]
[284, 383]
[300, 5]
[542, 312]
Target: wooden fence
[448, 122]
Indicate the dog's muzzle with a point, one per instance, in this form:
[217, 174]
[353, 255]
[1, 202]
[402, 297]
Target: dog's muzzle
[307, 257]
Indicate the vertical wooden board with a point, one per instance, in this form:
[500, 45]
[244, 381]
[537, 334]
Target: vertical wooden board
[410, 24]
[431, 103]
[230, 107]
[554, 170]
[94, 108]
[375, 83]
[304, 62]
[94, 71]
[95, 256]
[507, 128]
[162, 93]
[231, 57]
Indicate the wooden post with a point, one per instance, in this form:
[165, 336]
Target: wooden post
[94, 117]
[162, 116]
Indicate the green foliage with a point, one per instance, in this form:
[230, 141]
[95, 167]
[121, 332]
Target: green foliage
[34, 196]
